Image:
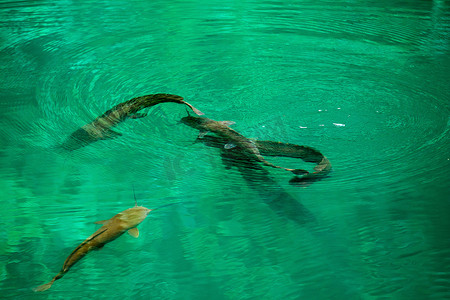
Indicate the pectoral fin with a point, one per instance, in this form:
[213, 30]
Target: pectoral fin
[134, 232]
[110, 134]
[229, 145]
[202, 133]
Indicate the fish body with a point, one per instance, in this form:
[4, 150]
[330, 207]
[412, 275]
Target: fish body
[269, 148]
[308, 154]
[221, 128]
[100, 128]
[234, 138]
[125, 221]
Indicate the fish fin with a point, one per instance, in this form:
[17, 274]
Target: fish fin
[134, 232]
[197, 111]
[43, 287]
[229, 145]
[111, 134]
[227, 123]
[202, 133]
[101, 222]
[137, 115]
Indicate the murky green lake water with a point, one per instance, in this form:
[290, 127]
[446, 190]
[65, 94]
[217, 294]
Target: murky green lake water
[366, 83]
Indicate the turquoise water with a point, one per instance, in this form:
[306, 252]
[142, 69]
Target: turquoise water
[365, 83]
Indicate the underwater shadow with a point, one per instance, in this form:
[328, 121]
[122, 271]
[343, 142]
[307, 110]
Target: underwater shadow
[259, 179]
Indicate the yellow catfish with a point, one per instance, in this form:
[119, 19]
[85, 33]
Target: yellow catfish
[124, 221]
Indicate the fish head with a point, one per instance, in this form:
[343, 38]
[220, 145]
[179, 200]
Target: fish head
[196, 122]
[135, 215]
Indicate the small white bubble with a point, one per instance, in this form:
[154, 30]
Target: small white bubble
[339, 125]
[302, 127]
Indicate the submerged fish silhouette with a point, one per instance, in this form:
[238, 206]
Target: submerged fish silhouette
[125, 221]
[100, 128]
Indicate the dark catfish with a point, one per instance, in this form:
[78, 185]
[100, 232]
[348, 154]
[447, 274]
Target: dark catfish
[100, 128]
[234, 139]
[124, 221]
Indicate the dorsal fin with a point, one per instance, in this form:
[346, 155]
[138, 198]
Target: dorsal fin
[134, 232]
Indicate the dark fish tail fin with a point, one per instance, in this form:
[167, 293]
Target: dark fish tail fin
[194, 109]
[44, 287]
[48, 285]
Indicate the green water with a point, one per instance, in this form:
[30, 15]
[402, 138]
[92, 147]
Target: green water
[364, 82]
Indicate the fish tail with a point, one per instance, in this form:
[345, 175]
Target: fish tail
[194, 109]
[324, 166]
[44, 287]
[48, 285]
